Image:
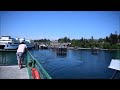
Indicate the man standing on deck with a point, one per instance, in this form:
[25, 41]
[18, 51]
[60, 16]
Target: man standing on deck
[22, 48]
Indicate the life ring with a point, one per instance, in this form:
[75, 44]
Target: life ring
[35, 73]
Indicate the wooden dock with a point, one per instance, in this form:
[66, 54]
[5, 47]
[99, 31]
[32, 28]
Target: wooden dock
[12, 72]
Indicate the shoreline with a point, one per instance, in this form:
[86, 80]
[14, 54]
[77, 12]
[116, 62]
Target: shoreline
[69, 48]
[88, 48]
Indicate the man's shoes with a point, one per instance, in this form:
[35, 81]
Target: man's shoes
[19, 68]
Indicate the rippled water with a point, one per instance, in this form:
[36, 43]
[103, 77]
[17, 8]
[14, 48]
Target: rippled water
[77, 64]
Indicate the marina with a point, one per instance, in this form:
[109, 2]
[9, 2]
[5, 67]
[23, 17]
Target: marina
[60, 45]
[74, 62]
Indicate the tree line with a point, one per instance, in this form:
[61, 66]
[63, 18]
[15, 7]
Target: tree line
[109, 42]
[42, 40]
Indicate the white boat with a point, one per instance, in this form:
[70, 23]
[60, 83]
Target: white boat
[11, 46]
[43, 46]
[6, 42]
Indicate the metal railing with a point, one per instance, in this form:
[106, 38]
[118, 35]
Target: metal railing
[8, 57]
[33, 63]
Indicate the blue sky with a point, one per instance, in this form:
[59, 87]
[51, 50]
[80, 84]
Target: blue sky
[58, 24]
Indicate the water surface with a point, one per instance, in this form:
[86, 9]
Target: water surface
[77, 64]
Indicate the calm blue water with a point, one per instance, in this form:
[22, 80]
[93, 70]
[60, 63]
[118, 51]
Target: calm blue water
[77, 64]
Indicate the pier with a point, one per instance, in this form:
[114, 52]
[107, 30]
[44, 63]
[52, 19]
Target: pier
[61, 51]
[59, 48]
[95, 50]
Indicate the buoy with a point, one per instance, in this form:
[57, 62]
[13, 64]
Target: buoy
[35, 73]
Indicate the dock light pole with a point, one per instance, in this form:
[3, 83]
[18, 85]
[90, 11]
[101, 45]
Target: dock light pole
[114, 64]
